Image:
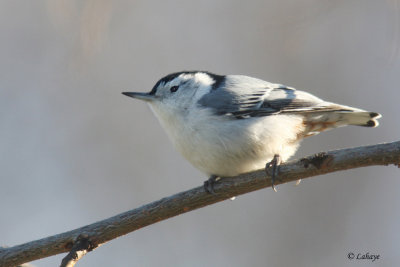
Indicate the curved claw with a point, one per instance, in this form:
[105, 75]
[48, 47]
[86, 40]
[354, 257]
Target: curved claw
[209, 184]
[274, 164]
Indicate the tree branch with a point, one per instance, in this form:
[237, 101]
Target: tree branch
[121, 224]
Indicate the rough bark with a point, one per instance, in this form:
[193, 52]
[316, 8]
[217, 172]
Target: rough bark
[121, 224]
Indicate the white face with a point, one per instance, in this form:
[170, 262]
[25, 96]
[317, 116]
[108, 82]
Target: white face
[181, 92]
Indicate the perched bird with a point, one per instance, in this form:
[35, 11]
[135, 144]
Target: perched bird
[226, 125]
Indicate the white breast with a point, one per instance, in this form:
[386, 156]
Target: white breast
[227, 147]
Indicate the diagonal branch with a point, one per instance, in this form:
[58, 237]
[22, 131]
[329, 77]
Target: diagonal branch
[121, 224]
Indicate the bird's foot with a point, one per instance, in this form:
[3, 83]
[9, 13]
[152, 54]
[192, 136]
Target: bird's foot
[209, 184]
[272, 169]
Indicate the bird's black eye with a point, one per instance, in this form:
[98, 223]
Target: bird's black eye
[174, 89]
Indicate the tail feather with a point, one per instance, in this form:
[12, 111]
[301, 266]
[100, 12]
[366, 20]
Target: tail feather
[338, 116]
[361, 118]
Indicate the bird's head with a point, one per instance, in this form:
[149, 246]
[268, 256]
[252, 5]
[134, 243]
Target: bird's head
[179, 91]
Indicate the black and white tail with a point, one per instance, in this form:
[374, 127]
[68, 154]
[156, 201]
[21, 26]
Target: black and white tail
[331, 116]
[360, 118]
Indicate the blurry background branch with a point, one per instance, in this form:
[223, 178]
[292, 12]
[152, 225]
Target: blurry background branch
[121, 224]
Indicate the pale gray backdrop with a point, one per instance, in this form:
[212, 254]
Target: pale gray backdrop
[74, 150]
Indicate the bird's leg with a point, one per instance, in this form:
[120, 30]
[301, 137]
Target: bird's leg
[209, 184]
[274, 164]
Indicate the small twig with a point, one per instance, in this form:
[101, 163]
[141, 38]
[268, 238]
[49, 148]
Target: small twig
[79, 249]
[121, 224]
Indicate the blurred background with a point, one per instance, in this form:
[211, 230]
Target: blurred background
[74, 150]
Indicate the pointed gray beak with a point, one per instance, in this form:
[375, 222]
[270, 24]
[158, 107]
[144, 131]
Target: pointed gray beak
[142, 96]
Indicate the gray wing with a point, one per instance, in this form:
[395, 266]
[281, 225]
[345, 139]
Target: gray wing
[254, 98]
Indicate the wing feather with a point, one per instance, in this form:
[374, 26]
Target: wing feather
[249, 97]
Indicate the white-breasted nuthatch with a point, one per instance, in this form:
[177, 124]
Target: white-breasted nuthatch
[226, 125]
